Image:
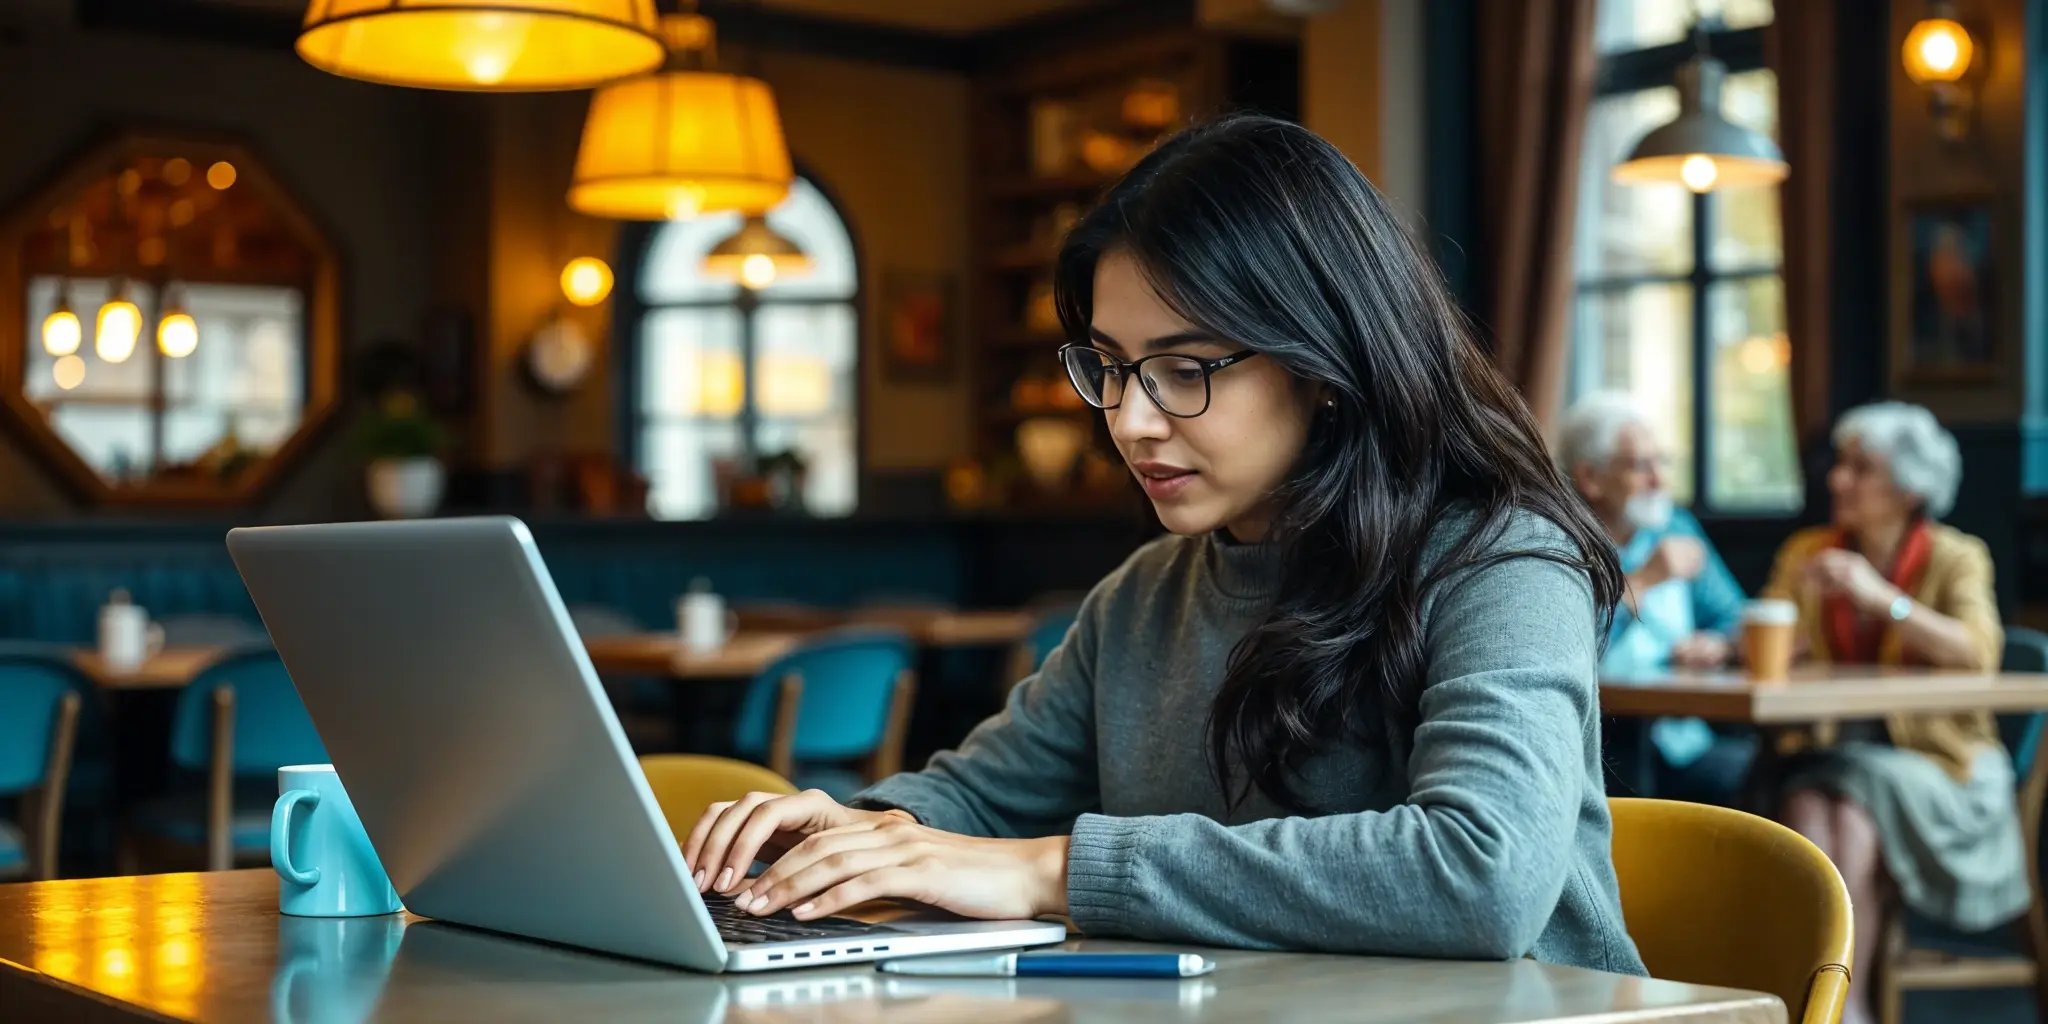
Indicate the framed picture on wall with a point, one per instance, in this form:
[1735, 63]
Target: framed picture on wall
[918, 316]
[1951, 292]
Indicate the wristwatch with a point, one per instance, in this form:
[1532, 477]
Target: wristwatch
[1901, 607]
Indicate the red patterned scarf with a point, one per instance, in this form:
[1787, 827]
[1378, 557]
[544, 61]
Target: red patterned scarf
[1855, 643]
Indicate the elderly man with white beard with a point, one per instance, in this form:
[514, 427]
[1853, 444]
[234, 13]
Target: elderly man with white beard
[1681, 607]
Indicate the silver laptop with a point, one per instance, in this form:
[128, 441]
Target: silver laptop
[462, 713]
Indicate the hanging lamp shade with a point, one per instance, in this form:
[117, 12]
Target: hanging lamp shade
[482, 45]
[1701, 149]
[683, 141]
[756, 255]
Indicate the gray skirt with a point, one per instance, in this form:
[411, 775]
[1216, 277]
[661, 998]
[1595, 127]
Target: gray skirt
[1952, 848]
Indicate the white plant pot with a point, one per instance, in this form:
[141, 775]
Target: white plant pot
[406, 488]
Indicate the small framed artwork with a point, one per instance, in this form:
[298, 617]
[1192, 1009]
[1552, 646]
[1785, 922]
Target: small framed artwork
[918, 313]
[1951, 292]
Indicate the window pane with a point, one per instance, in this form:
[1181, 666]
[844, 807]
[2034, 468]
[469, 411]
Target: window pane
[1629, 229]
[673, 269]
[680, 459]
[1747, 232]
[1638, 340]
[1756, 466]
[690, 363]
[1634, 24]
[804, 387]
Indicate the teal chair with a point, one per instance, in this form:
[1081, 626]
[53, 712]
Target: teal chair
[39, 709]
[839, 697]
[1917, 954]
[1048, 631]
[237, 722]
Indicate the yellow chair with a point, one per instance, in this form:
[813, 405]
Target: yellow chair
[1717, 897]
[686, 784]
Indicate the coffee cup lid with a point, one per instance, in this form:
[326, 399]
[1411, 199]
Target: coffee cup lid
[1771, 612]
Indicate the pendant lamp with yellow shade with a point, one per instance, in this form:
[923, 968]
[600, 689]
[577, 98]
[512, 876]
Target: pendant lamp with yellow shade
[482, 45]
[683, 141]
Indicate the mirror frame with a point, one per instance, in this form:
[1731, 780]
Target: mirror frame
[322, 322]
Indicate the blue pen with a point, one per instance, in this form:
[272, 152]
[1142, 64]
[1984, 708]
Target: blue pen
[1054, 965]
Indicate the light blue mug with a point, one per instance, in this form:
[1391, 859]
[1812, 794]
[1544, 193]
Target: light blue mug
[319, 848]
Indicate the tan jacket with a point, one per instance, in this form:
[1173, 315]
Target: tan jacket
[1957, 583]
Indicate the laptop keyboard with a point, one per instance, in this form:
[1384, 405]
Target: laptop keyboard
[737, 927]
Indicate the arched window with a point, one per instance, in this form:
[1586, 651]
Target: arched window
[719, 379]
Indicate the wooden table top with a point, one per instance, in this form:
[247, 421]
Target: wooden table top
[662, 654]
[653, 654]
[1821, 693]
[212, 947]
[169, 668]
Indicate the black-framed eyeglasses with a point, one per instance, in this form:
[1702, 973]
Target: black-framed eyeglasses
[1178, 384]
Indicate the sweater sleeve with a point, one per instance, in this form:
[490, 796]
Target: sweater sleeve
[1025, 772]
[1472, 865]
[1716, 598]
[1971, 599]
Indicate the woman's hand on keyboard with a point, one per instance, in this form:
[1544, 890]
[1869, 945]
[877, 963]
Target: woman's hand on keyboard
[851, 864]
[733, 834]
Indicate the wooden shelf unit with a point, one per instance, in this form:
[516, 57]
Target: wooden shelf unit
[1017, 210]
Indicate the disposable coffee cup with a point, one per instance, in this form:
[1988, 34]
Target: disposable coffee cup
[1767, 628]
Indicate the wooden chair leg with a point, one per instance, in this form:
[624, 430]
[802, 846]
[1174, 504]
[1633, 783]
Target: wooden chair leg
[782, 742]
[1889, 995]
[220, 785]
[49, 799]
[887, 759]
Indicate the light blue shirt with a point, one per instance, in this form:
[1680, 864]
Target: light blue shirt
[1641, 641]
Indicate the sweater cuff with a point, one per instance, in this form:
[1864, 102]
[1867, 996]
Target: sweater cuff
[1101, 862]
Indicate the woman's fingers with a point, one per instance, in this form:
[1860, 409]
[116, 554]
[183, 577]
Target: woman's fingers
[709, 865]
[809, 867]
[880, 883]
[823, 873]
[808, 811]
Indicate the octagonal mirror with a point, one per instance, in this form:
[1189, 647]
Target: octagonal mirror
[168, 322]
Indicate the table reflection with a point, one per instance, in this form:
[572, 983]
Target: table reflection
[147, 947]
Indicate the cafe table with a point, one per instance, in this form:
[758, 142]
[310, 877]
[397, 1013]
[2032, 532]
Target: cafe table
[1820, 693]
[1808, 695]
[213, 947]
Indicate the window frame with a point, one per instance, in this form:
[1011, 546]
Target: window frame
[1638, 70]
[630, 311]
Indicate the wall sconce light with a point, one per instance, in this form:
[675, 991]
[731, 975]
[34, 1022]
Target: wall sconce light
[586, 281]
[1939, 56]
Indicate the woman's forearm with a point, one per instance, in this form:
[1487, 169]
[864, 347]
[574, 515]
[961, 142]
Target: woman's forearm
[1939, 640]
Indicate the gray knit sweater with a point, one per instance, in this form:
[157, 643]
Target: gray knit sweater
[1487, 839]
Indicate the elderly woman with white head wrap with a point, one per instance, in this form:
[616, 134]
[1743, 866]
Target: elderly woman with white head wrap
[1924, 801]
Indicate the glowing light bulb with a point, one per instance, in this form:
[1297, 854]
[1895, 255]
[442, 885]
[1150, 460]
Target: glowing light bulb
[488, 46]
[68, 372]
[221, 176]
[1938, 50]
[62, 333]
[586, 281]
[177, 335]
[757, 271]
[115, 330]
[1698, 172]
[684, 203]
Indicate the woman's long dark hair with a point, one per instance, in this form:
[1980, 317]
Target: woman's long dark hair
[1260, 232]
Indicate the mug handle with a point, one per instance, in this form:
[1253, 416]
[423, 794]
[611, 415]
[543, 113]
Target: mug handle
[732, 625]
[280, 836]
[155, 644]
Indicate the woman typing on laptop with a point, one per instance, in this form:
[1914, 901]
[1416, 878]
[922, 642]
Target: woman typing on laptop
[1350, 705]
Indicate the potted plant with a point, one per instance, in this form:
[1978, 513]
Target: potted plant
[403, 446]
